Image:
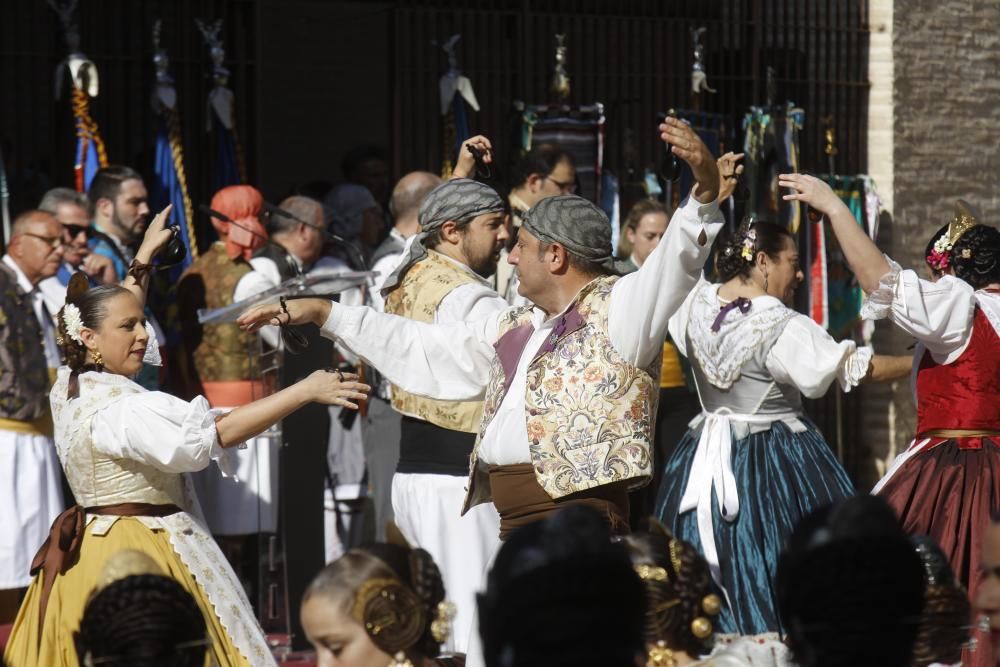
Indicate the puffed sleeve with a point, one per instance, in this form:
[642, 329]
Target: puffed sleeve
[161, 430]
[807, 357]
[938, 314]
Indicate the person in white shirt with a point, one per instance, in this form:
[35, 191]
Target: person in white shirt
[442, 279]
[381, 424]
[30, 490]
[569, 384]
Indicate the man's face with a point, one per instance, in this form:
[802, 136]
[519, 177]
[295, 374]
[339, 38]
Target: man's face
[131, 210]
[312, 240]
[532, 273]
[647, 234]
[74, 221]
[562, 181]
[39, 249]
[483, 240]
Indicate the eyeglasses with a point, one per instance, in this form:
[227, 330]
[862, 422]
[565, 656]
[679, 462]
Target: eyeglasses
[76, 230]
[54, 242]
[565, 188]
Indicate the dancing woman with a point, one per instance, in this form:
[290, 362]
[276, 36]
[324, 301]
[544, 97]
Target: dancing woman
[752, 464]
[947, 482]
[125, 451]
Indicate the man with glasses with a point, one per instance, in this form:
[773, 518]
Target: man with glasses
[30, 489]
[70, 208]
[544, 171]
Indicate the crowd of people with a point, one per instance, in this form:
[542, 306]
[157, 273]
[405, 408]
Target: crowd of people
[567, 453]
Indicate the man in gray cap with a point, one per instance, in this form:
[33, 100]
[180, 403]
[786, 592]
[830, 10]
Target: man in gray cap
[442, 279]
[570, 385]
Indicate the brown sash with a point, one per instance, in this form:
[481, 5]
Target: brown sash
[521, 500]
[61, 548]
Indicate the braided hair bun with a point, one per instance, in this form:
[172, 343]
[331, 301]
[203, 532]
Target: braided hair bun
[678, 583]
[736, 251]
[976, 256]
[92, 305]
[145, 619]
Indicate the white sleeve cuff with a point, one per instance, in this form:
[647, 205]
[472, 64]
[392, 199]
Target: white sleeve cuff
[855, 368]
[878, 304]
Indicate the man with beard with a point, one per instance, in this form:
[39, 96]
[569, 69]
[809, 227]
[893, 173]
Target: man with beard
[442, 278]
[119, 208]
[119, 205]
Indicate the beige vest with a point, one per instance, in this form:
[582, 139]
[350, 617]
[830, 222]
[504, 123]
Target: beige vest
[423, 288]
[589, 413]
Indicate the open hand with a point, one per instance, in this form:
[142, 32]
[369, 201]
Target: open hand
[299, 311]
[812, 191]
[331, 387]
[465, 165]
[729, 173]
[688, 146]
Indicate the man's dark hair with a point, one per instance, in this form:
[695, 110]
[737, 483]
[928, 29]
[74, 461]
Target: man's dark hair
[541, 160]
[107, 183]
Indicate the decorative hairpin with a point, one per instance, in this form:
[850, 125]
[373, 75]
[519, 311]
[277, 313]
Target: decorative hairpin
[749, 242]
[73, 322]
[964, 220]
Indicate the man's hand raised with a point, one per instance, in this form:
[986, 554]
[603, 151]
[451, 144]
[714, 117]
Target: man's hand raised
[688, 146]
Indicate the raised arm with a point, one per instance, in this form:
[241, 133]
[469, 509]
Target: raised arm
[643, 302]
[865, 259]
[447, 362]
[156, 236]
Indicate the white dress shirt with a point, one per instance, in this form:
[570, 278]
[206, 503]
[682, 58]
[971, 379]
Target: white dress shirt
[453, 361]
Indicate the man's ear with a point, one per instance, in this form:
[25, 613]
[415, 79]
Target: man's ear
[450, 232]
[534, 182]
[557, 257]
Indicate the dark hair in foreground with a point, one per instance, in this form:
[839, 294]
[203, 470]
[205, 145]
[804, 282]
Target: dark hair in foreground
[144, 620]
[850, 587]
[673, 603]
[561, 593]
[944, 625]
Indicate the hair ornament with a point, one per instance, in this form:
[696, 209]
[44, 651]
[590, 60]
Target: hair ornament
[651, 573]
[73, 322]
[441, 625]
[660, 656]
[964, 220]
[749, 242]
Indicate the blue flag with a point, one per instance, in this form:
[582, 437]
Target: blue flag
[170, 187]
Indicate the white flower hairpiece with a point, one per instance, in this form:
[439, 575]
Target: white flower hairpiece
[73, 321]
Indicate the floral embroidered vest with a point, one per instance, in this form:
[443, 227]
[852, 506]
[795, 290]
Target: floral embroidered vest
[24, 374]
[221, 351]
[589, 412]
[417, 297]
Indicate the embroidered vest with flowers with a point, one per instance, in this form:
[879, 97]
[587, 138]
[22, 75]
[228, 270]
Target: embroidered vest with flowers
[589, 413]
[417, 297]
[24, 374]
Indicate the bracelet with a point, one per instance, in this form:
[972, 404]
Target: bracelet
[138, 270]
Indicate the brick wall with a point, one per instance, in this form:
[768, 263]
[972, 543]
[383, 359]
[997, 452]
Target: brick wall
[932, 138]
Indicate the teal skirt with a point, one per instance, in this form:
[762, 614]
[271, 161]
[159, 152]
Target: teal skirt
[781, 476]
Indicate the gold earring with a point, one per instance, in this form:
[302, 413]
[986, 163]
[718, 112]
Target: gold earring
[660, 656]
[98, 359]
[400, 660]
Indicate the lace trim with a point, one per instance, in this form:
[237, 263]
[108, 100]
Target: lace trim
[878, 304]
[722, 355]
[855, 368]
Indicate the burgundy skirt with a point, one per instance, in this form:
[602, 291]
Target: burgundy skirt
[948, 492]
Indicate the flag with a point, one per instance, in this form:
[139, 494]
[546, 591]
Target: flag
[90, 153]
[170, 185]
